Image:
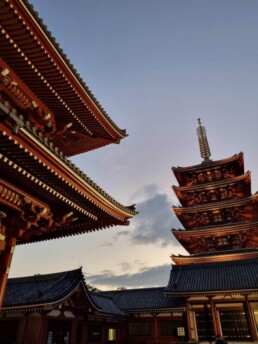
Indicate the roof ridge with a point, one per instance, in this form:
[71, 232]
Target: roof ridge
[45, 276]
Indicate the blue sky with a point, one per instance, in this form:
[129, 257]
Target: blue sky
[155, 66]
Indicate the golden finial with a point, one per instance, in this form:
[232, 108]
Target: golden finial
[203, 142]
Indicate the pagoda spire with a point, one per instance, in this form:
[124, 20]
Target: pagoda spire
[203, 142]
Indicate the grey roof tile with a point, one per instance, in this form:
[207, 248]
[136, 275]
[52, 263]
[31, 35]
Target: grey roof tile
[38, 289]
[209, 277]
[143, 299]
[106, 304]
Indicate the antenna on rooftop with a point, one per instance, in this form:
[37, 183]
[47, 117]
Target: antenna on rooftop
[203, 142]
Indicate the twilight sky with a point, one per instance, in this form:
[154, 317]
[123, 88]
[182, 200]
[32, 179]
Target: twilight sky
[155, 66]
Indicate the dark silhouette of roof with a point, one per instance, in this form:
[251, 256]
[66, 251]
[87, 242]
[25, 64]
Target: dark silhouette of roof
[214, 277]
[143, 299]
[106, 304]
[41, 289]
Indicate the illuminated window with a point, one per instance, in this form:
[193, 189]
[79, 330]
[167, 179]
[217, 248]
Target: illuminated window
[111, 334]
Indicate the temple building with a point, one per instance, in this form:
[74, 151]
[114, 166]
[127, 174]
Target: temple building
[47, 114]
[219, 279]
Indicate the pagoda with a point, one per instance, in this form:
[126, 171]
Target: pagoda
[47, 114]
[219, 278]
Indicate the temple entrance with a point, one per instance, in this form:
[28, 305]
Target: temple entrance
[59, 332]
[204, 326]
[234, 325]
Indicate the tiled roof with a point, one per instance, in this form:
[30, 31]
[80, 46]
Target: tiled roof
[106, 304]
[41, 289]
[143, 299]
[214, 277]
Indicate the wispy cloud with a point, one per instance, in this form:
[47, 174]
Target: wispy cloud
[148, 277]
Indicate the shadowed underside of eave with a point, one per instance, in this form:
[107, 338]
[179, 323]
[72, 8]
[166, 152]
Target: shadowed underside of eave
[29, 49]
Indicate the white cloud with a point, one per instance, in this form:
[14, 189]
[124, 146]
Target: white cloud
[148, 277]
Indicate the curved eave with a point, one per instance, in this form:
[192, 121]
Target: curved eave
[215, 257]
[39, 151]
[225, 182]
[215, 206]
[178, 171]
[38, 60]
[47, 306]
[214, 231]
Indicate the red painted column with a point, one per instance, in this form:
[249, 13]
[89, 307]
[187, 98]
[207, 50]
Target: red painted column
[251, 320]
[215, 319]
[5, 264]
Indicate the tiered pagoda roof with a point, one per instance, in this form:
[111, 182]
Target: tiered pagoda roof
[217, 210]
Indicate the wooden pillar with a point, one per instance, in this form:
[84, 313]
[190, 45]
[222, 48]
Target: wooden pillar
[215, 319]
[155, 328]
[85, 331]
[43, 329]
[5, 264]
[74, 331]
[192, 331]
[250, 318]
[22, 326]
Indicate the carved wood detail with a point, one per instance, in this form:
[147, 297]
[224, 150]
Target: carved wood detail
[24, 216]
[35, 112]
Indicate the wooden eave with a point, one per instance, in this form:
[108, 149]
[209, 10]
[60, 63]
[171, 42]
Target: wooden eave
[218, 231]
[216, 206]
[53, 161]
[211, 293]
[214, 185]
[216, 257]
[154, 310]
[32, 53]
[36, 165]
[238, 159]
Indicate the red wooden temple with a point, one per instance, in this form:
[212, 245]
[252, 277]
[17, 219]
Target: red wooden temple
[47, 114]
[219, 279]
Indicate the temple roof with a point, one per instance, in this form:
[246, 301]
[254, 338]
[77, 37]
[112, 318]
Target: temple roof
[199, 167]
[237, 210]
[216, 230]
[214, 278]
[106, 304]
[34, 164]
[144, 299]
[246, 177]
[33, 54]
[41, 289]
[236, 160]
[44, 291]
[216, 256]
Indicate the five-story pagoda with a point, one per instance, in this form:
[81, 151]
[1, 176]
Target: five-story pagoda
[219, 278]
